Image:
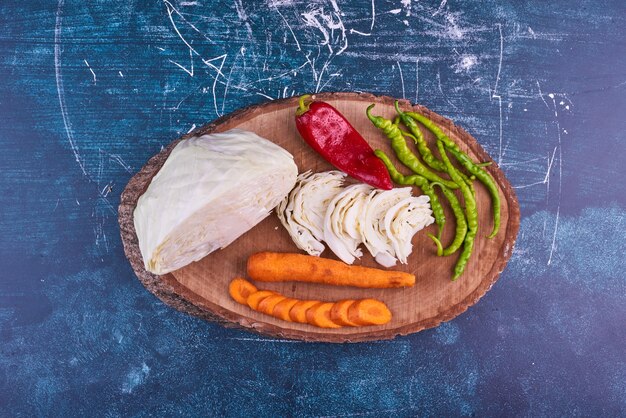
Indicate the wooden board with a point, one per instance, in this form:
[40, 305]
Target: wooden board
[201, 289]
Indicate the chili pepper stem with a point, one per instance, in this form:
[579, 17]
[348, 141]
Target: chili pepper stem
[437, 242]
[303, 106]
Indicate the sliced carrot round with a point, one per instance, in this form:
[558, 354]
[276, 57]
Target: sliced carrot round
[267, 305]
[369, 312]
[299, 310]
[319, 315]
[339, 313]
[240, 289]
[255, 298]
[282, 309]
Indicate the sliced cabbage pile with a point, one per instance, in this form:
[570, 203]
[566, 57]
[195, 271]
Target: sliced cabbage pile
[320, 210]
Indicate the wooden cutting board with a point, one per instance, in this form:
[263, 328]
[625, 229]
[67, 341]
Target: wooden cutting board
[201, 289]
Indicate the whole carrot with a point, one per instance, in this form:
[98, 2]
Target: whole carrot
[286, 267]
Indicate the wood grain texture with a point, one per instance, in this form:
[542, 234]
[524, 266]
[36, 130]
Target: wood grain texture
[201, 289]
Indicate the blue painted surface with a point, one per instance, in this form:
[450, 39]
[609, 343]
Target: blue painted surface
[90, 90]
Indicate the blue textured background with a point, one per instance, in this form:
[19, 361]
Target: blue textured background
[90, 90]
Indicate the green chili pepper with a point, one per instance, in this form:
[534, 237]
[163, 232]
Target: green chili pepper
[419, 140]
[422, 183]
[404, 154]
[461, 223]
[470, 211]
[467, 179]
[417, 137]
[489, 183]
[435, 129]
[474, 169]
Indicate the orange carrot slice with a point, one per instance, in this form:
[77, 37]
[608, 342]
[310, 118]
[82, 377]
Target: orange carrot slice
[267, 305]
[299, 310]
[369, 312]
[255, 298]
[282, 309]
[339, 313]
[319, 315]
[240, 289]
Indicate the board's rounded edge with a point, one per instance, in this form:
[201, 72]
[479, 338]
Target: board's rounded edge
[169, 291]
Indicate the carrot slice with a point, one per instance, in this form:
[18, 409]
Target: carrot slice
[339, 313]
[267, 305]
[282, 309]
[369, 312]
[319, 315]
[255, 298]
[299, 310]
[240, 289]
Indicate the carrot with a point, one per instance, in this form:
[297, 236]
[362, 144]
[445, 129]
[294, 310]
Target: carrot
[339, 313]
[282, 309]
[319, 315]
[255, 298]
[299, 310]
[369, 312]
[267, 305]
[284, 267]
[240, 289]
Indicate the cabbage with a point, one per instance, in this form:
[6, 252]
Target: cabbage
[210, 191]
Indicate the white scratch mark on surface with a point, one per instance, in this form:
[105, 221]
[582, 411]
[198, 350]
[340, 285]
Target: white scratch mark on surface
[241, 12]
[188, 71]
[120, 73]
[558, 207]
[417, 79]
[401, 79]
[371, 25]
[443, 94]
[332, 76]
[188, 3]
[170, 10]
[290, 29]
[193, 126]
[106, 189]
[500, 153]
[440, 8]
[513, 163]
[60, 89]
[264, 95]
[242, 51]
[541, 95]
[274, 77]
[93, 74]
[546, 179]
[118, 159]
[495, 88]
[219, 71]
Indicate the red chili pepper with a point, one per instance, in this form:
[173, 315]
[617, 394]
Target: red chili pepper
[332, 136]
